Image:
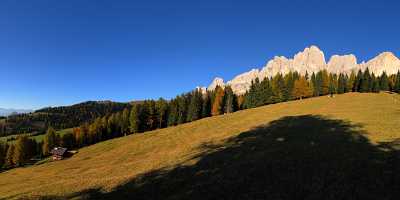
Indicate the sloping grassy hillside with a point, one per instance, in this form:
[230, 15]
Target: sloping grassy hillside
[319, 148]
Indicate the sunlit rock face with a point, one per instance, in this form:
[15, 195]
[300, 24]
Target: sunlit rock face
[342, 64]
[216, 82]
[310, 60]
[385, 61]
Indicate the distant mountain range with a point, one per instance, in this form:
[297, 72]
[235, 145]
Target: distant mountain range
[6, 112]
[310, 60]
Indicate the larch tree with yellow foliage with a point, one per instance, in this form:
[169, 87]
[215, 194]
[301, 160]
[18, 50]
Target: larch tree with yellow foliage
[301, 88]
[218, 104]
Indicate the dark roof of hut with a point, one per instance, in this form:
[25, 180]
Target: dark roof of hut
[58, 151]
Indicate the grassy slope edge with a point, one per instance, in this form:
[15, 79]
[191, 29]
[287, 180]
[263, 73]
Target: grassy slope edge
[110, 164]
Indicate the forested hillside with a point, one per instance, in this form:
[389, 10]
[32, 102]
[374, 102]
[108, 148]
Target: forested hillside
[58, 117]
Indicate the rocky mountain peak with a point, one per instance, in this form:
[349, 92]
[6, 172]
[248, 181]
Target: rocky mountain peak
[311, 60]
[216, 82]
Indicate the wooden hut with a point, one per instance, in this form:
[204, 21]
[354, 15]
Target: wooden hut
[58, 153]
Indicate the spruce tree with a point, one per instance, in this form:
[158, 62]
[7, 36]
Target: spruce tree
[332, 84]
[384, 82]
[266, 92]
[173, 112]
[279, 88]
[183, 102]
[397, 83]
[206, 107]
[351, 82]
[195, 106]
[357, 81]
[250, 97]
[314, 84]
[67, 140]
[365, 85]
[375, 87]
[318, 84]
[342, 85]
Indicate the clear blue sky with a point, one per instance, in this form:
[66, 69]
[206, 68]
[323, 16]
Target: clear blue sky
[64, 52]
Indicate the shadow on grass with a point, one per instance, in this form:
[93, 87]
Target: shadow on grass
[296, 157]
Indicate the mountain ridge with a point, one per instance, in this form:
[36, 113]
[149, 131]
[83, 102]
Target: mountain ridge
[8, 111]
[310, 60]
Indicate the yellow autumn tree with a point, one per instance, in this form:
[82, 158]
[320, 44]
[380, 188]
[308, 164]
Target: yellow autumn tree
[301, 88]
[217, 107]
[325, 82]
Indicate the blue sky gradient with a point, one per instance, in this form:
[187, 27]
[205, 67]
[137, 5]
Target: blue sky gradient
[64, 52]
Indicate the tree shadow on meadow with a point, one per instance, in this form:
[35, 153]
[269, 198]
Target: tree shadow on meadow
[295, 157]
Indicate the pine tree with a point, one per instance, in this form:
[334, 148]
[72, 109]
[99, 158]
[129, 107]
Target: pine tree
[134, 121]
[49, 141]
[384, 82]
[21, 148]
[9, 162]
[217, 107]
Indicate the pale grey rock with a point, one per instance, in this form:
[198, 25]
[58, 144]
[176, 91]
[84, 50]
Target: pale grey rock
[385, 61]
[241, 83]
[216, 82]
[310, 60]
[342, 64]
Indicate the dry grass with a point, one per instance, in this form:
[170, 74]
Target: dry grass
[112, 163]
